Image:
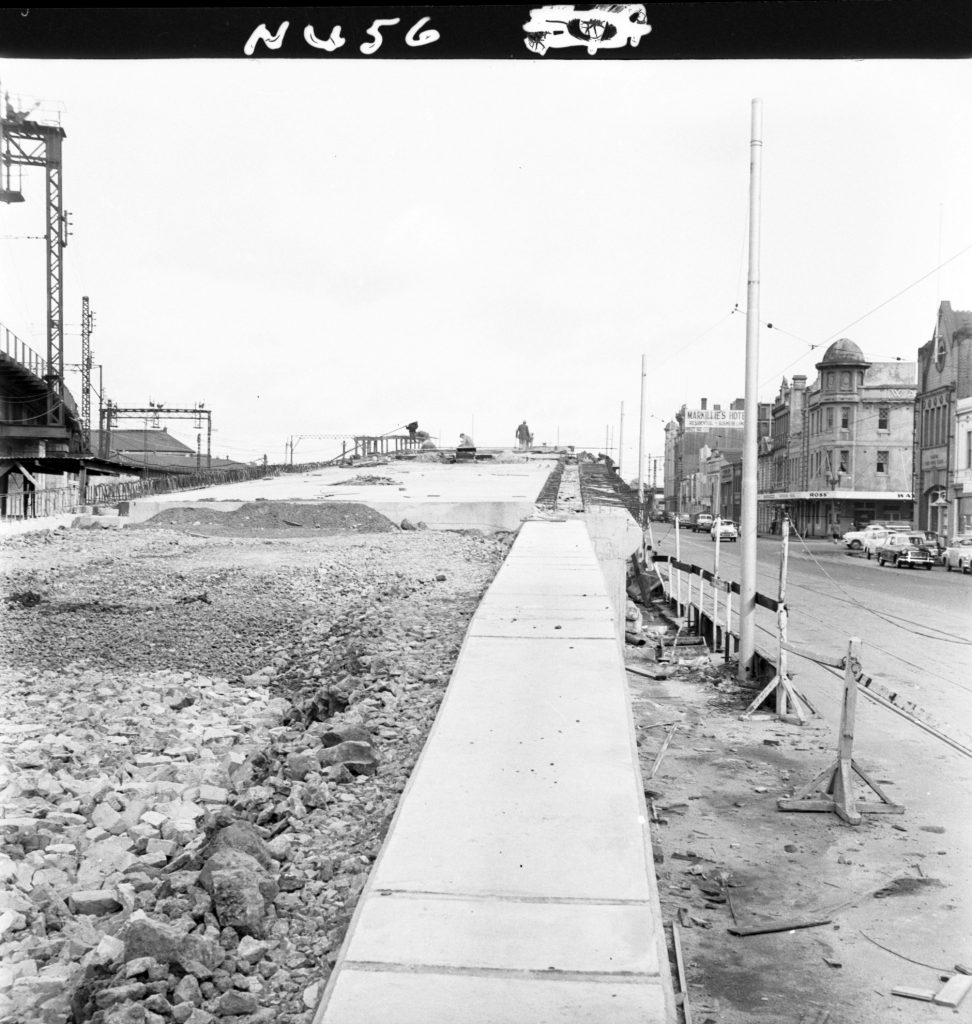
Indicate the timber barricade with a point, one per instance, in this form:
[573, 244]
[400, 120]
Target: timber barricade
[703, 604]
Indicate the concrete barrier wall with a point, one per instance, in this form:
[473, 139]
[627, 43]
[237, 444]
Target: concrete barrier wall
[616, 537]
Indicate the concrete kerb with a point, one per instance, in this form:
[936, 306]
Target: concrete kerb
[516, 881]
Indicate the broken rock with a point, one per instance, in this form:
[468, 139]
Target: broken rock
[360, 758]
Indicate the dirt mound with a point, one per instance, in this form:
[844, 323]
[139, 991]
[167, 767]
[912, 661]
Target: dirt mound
[365, 479]
[283, 518]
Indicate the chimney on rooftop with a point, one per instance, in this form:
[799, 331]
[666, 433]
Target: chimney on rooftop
[799, 381]
[704, 401]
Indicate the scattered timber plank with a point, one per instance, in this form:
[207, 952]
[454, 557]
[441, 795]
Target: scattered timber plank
[661, 752]
[924, 994]
[640, 579]
[954, 991]
[657, 673]
[777, 926]
[679, 963]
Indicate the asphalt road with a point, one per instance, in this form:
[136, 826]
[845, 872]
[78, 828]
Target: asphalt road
[915, 625]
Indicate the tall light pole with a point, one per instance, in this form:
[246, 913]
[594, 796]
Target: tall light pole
[641, 442]
[747, 524]
[621, 441]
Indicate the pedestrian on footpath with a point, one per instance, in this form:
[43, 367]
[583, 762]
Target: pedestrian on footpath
[523, 436]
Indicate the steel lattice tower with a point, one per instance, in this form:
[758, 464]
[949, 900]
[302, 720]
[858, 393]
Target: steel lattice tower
[87, 325]
[27, 143]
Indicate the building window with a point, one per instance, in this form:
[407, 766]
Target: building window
[844, 461]
[844, 417]
[884, 417]
[940, 349]
[882, 462]
[830, 417]
[830, 380]
[860, 377]
[845, 382]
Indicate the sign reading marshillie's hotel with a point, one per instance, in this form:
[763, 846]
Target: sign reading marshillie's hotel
[705, 419]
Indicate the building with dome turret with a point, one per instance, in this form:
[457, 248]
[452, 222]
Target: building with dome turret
[840, 451]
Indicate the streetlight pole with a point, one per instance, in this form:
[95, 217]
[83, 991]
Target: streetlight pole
[641, 442]
[747, 525]
[621, 441]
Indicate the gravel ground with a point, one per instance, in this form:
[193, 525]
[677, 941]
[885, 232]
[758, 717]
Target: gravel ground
[203, 741]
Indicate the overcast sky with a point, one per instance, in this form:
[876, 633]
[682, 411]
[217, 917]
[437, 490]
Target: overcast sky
[317, 246]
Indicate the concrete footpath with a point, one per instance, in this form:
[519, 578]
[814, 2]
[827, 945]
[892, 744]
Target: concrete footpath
[516, 882]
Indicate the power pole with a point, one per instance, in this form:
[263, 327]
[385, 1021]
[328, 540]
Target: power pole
[87, 324]
[641, 441]
[621, 441]
[747, 518]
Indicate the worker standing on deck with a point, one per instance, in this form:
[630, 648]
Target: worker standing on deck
[523, 436]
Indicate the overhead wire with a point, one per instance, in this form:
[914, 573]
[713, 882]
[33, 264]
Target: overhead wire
[793, 585]
[949, 638]
[864, 316]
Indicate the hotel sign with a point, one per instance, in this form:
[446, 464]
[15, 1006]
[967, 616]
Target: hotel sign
[708, 419]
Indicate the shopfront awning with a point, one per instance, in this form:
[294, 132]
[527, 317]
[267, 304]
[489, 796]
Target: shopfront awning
[836, 495]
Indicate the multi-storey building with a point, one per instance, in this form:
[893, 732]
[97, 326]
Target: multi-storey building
[840, 451]
[943, 427]
[690, 438]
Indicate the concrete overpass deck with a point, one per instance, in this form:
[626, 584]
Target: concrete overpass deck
[474, 495]
[516, 882]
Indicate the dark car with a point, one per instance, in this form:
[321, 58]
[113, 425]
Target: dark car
[905, 549]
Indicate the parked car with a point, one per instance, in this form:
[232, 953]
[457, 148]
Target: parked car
[855, 539]
[684, 519]
[934, 544]
[873, 539]
[907, 549]
[725, 529]
[702, 523]
[958, 555]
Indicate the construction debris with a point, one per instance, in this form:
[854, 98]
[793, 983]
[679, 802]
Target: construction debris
[193, 796]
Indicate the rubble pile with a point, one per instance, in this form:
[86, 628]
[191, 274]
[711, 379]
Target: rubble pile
[365, 479]
[179, 844]
[284, 518]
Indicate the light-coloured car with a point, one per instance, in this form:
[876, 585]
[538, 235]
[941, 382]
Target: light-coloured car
[857, 539]
[873, 539]
[726, 530]
[905, 549]
[702, 523]
[958, 555]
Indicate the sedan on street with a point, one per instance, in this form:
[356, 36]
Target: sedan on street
[905, 549]
[958, 555]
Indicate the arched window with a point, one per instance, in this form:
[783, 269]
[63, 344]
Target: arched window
[941, 350]
[845, 381]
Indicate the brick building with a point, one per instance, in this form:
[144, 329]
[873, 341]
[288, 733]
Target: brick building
[943, 426]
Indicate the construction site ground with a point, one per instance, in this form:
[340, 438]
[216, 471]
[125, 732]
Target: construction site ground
[161, 682]
[727, 856]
